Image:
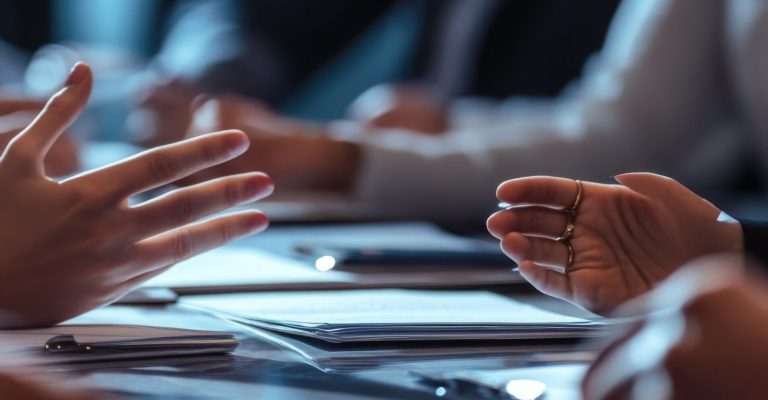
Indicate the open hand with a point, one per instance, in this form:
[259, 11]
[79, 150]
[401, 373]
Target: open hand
[68, 247]
[626, 237]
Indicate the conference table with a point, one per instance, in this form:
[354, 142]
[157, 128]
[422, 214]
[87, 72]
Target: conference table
[259, 369]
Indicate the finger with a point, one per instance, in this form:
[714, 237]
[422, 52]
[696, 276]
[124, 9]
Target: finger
[165, 164]
[187, 205]
[540, 251]
[538, 190]
[547, 281]
[664, 189]
[28, 149]
[537, 221]
[182, 243]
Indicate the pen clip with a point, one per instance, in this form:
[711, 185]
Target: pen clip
[66, 344]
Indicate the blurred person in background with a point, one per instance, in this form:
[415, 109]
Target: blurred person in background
[312, 59]
[677, 89]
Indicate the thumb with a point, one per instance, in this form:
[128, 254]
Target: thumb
[30, 147]
[655, 186]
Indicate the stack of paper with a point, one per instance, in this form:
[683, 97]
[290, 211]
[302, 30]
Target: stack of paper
[98, 343]
[362, 356]
[237, 268]
[395, 315]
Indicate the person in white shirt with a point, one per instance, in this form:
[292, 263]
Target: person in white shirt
[678, 89]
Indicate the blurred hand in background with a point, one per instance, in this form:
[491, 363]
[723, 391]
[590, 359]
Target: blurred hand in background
[406, 107]
[705, 338]
[162, 114]
[299, 156]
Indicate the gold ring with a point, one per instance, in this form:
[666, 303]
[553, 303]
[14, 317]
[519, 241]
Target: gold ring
[570, 254]
[569, 227]
[577, 201]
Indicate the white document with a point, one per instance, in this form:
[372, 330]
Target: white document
[241, 267]
[393, 314]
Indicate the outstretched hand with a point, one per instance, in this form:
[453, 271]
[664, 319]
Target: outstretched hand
[71, 246]
[626, 237]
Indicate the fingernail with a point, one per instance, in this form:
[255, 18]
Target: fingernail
[256, 223]
[76, 74]
[258, 187]
[237, 144]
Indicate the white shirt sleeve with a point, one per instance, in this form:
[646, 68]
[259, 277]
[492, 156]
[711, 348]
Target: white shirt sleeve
[655, 90]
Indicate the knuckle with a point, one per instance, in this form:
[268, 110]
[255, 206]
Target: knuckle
[210, 153]
[183, 210]
[227, 234]
[232, 194]
[182, 246]
[162, 166]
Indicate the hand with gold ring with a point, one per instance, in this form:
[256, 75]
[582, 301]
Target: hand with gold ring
[618, 242]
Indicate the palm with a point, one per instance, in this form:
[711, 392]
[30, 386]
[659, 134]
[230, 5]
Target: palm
[626, 239]
[616, 252]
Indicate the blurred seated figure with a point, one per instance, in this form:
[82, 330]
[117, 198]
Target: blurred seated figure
[81, 242]
[659, 97]
[313, 58]
[709, 341]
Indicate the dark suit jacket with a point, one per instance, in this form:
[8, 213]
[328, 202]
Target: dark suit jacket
[756, 239]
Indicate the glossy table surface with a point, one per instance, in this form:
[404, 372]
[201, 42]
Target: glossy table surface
[258, 369]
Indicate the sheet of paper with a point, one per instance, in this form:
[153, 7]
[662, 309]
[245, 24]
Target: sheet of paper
[385, 306]
[240, 266]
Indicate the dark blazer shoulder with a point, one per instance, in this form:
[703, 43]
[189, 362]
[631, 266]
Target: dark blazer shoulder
[756, 239]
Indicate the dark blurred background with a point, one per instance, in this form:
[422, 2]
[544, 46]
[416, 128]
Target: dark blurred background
[305, 58]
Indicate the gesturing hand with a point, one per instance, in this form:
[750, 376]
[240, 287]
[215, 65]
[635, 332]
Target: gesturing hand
[68, 247]
[709, 341]
[626, 237]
